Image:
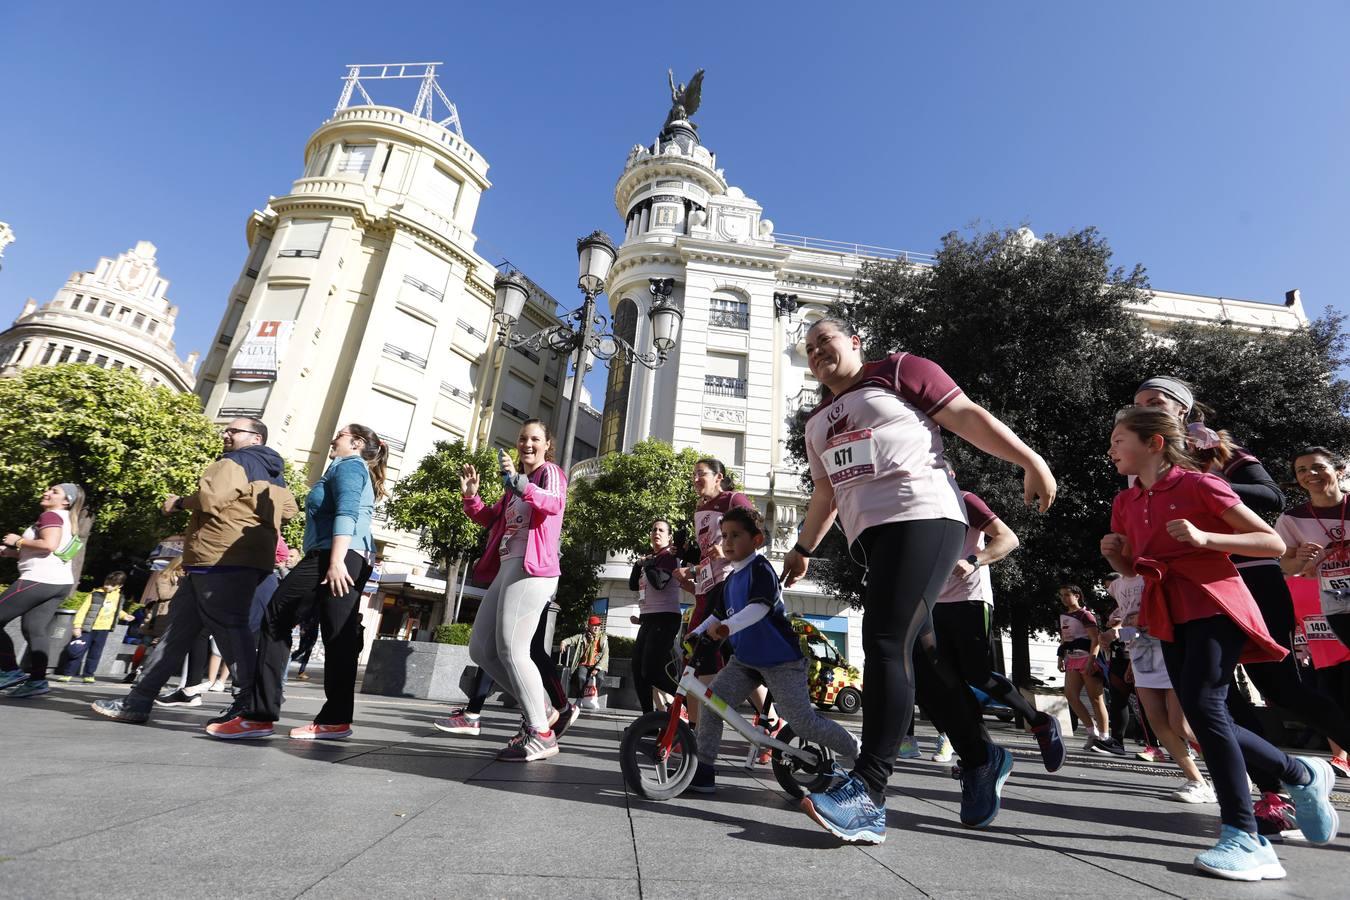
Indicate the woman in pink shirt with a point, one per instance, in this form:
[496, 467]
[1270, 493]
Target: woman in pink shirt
[1176, 527]
[521, 561]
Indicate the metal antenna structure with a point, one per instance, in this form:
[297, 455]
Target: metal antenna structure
[427, 93]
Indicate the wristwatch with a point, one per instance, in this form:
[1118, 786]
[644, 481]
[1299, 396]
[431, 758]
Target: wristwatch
[973, 560]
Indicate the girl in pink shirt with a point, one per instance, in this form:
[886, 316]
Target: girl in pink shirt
[1176, 527]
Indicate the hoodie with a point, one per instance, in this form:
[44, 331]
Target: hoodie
[237, 510]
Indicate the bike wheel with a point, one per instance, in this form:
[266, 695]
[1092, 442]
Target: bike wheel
[797, 776]
[644, 771]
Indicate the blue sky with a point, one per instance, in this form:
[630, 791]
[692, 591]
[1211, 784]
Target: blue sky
[1206, 140]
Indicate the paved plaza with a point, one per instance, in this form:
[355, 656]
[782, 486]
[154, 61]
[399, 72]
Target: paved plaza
[92, 808]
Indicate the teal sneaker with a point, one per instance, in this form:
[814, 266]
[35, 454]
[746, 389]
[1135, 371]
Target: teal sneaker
[909, 749]
[1316, 817]
[29, 688]
[12, 677]
[847, 812]
[1239, 856]
[982, 788]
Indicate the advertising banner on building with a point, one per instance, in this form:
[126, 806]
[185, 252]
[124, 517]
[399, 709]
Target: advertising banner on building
[262, 350]
[1323, 646]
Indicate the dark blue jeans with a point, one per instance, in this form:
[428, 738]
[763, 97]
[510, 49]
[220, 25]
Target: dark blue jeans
[1200, 661]
[88, 651]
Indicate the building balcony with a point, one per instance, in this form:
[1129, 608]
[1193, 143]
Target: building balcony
[407, 356]
[729, 318]
[722, 386]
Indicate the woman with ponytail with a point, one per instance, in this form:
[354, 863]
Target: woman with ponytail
[45, 551]
[339, 552]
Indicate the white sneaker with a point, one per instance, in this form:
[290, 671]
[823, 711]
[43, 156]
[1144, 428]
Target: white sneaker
[944, 752]
[1194, 792]
[217, 687]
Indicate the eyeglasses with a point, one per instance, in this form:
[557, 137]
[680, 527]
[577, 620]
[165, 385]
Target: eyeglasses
[233, 431]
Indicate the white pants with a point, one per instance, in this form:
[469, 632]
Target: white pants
[503, 631]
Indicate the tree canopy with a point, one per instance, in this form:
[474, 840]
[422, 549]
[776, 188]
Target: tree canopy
[127, 443]
[427, 500]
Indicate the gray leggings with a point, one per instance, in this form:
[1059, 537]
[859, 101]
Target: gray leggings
[787, 683]
[504, 630]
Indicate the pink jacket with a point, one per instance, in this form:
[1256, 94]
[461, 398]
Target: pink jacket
[547, 496]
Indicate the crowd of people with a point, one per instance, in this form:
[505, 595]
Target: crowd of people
[1198, 586]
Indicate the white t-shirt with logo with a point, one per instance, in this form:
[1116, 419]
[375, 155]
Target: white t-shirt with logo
[516, 537]
[42, 566]
[1332, 566]
[976, 585]
[879, 447]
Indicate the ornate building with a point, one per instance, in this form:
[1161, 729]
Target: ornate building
[116, 316]
[738, 374]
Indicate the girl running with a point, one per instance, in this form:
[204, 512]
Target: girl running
[339, 551]
[522, 563]
[1315, 539]
[45, 579]
[1162, 709]
[876, 457]
[658, 621]
[1079, 640]
[1176, 527]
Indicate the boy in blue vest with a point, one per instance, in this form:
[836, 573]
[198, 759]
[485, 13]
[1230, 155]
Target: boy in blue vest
[766, 651]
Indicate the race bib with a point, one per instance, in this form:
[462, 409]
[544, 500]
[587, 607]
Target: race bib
[705, 581]
[1334, 580]
[849, 456]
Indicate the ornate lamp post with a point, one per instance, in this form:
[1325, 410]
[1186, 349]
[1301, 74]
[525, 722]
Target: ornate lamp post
[585, 331]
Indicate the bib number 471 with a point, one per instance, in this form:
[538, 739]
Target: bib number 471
[843, 456]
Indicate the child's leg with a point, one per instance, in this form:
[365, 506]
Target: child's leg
[733, 684]
[1073, 692]
[1156, 702]
[790, 694]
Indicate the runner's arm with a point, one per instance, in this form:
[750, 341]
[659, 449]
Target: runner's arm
[968, 420]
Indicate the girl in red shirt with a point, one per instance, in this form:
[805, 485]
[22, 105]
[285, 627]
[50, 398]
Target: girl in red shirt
[1176, 527]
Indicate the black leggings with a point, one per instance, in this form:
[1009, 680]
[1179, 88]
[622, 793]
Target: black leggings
[1340, 626]
[962, 631]
[653, 655]
[1200, 661]
[34, 604]
[907, 565]
[1118, 692]
[543, 661]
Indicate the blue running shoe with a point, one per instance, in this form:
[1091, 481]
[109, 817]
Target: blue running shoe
[29, 688]
[909, 749]
[1239, 856]
[12, 677]
[982, 786]
[848, 813]
[1051, 743]
[1313, 812]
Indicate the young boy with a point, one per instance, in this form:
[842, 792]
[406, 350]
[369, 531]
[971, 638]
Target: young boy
[752, 614]
[94, 621]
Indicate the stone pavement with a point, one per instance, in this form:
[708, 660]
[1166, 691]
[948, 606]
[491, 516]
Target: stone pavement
[93, 808]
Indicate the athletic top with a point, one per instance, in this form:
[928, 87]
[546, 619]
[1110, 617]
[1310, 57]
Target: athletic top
[708, 529]
[517, 534]
[1257, 491]
[1073, 626]
[880, 448]
[1127, 591]
[771, 640]
[974, 586]
[1331, 567]
[43, 566]
[658, 591]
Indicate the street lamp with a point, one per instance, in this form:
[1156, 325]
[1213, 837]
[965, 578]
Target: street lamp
[583, 330]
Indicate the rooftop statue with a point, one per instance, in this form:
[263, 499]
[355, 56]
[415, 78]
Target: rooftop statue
[684, 99]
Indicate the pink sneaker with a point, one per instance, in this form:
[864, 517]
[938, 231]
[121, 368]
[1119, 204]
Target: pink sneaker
[1341, 765]
[239, 728]
[1152, 754]
[316, 732]
[458, 722]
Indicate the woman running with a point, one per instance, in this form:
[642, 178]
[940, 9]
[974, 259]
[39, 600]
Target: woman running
[1279, 682]
[525, 529]
[1176, 527]
[875, 449]
[658, 621]
[45, 579]
[339, 551]
[1315, 539]
[1162, 709]
[1079, 643]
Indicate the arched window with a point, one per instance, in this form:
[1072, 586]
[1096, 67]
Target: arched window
[620, 378]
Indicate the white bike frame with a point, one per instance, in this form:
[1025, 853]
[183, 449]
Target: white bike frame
[692, 688]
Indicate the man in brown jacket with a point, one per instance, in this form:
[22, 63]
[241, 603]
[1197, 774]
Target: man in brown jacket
[239, 505]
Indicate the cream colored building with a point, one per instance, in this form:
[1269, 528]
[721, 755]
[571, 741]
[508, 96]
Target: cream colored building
[738, 374]
[117, 315]
[362, 299]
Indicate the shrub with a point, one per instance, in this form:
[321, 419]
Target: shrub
[620, 647]
[455, 633]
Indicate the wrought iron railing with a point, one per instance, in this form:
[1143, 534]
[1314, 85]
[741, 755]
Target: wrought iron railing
[722, 386]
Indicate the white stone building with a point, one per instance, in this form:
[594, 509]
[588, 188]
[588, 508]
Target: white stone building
[116, 316]
[739, 373]
[362, 299]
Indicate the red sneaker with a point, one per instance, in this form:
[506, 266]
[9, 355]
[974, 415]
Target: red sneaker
[765, 753]
[316, 732]
[1341, 765]
[239, 728]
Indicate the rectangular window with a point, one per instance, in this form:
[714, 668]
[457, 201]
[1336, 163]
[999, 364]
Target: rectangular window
[75, 304]
[725, 375]
[101, 361]
[257, 256]
[107, 310]
[427, 273]
[391, 418]
[729, 313]
[356, 159]
[139, 321]
[246, 398]
[123, 313]
[281, 304]
[458, 374]
[518, 393]
[66, 352]
[304, 238]
[318, 163]
[728, 446]
[117, 364]
[410, 339]
[47, 354]
[82, 356]
[154, 326]
[439, 191]
[231, 322]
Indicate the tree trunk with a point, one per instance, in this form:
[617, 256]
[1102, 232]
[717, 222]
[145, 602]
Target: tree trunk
[451, 581]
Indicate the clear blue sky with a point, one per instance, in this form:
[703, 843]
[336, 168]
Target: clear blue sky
[1207, 141]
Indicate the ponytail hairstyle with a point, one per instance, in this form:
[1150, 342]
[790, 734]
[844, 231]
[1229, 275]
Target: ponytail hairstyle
[718, 469]
[1209, 446]
[75, 508]
[376, 454]
[550, 454]
[1147, 421]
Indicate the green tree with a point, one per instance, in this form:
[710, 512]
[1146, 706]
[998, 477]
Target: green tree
[127, 443]
[427, 501]
[297, 479]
